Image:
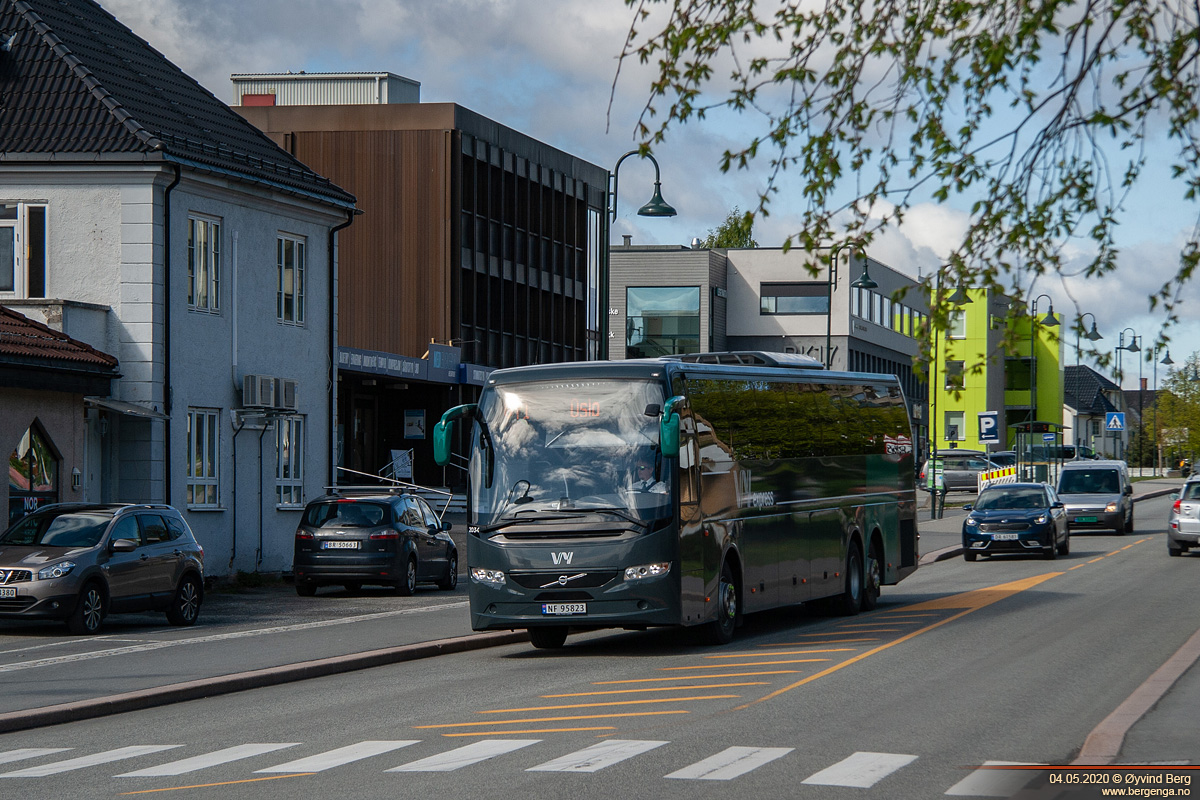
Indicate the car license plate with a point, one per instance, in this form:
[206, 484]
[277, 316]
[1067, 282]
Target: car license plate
[8, 591]
[1085, 519]
[1005, 537]
[340, 545]
[564, 609]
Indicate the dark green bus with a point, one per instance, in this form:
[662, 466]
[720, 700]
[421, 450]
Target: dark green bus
[682, 491]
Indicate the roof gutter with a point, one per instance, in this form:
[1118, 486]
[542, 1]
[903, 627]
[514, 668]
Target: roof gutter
[333, 342]
[167, 332]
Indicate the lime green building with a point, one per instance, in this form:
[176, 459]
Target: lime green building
[971, 374]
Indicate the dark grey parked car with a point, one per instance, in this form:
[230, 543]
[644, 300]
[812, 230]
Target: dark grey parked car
[80, 562]
[383, 539]
[959, 469]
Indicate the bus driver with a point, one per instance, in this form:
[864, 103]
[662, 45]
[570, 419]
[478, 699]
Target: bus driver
[643, 478]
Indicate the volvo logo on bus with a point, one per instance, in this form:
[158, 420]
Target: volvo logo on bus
[561, 558]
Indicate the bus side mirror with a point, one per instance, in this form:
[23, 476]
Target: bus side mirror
[443, 430]
[668, 428]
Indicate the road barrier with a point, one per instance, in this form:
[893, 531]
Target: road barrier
[996, 476]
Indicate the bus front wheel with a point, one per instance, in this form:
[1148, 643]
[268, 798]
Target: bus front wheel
[720, 630]
[550, 638]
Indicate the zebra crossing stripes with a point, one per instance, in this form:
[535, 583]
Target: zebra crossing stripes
[730, 763]
[30, 752]
[598, 756]
[105, 757]
[465, 756]
[340, 756]
[185, 765]
[861, 770]
[993, 782]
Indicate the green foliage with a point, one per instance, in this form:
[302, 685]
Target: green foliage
[736, 231]
[1035, 112]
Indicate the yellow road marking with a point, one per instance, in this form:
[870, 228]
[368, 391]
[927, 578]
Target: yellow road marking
[1094, 560]
[659, 689]
[698, 677]
[532, 730]
[223, 783]
[900, 615]
[1077, 566]
[552, 719]
[752, 664]
[872, 630]
[831, 641]
[967, 601]
[601, 705]
[787, 652]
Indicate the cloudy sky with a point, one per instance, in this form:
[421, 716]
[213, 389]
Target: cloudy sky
[547, 68]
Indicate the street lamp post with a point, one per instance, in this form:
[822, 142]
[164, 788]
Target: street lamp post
[1092, 336]
[863, 281]
[1157, 445]
[1132, 347]
[655, 207]
[1050, 321]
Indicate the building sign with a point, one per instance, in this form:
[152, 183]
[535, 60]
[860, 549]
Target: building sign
[377, 363]
[443, 363]
[474, 374]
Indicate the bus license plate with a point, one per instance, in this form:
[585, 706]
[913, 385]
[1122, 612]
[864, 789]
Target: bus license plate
[1085, 519]
[1005, 537]
[340, 545]
[8, 591]
[564, 609]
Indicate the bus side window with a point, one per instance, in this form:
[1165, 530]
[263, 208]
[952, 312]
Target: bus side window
[689, 461]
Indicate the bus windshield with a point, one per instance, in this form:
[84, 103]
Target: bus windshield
[578, 447]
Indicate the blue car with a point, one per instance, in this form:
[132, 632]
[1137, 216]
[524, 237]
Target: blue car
[1016, 518]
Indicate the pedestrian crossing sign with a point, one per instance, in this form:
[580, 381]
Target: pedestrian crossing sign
[1114, 421]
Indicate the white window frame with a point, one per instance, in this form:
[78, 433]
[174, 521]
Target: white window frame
[289, 461]
[956, 419]
[204, 447]
[208, 277]
[957, 324]
[20, 228]
[294, 290]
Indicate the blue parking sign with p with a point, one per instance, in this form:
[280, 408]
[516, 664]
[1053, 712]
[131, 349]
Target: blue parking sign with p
[989, 427]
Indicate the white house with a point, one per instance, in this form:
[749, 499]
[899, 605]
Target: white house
[140, 215]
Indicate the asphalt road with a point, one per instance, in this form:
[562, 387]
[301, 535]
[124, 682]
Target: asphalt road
[1007, 660]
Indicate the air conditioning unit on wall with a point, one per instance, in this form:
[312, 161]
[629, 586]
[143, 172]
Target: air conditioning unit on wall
[286, 392]
[258, 391]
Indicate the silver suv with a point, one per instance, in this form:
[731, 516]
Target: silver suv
[1183, 529]
[79, 562]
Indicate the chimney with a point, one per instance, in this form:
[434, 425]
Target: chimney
[628, 239]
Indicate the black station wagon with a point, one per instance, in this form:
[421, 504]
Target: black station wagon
[386, 540]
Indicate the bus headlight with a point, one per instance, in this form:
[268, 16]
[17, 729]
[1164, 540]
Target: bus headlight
[647, 571]
[57, 571]
[492, 577]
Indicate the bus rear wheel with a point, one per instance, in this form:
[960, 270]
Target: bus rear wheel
[849, 601]
[550, 638]
[874, 579]
[720, 630]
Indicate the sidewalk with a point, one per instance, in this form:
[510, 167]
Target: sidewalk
[942, 538]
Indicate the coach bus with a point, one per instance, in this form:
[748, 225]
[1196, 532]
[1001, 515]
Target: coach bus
[684, 490]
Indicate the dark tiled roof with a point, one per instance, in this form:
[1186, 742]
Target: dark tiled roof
[1084, 389]
[76, 81]
[26, 341]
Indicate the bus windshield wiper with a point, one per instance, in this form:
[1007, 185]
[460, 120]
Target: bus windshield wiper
[495, 526]
[617, 512]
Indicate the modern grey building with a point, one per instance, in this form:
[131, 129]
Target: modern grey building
[674, 299]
